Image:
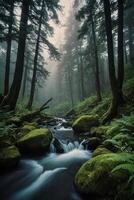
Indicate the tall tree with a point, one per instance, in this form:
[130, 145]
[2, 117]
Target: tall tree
[116, 83]
[8, 52]
[120, 50]
[12, 97]
[30, 102]
[87, 15]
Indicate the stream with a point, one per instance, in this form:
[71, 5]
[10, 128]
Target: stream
[48, 177]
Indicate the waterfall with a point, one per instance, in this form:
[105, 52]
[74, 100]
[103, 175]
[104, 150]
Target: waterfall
[67, 147]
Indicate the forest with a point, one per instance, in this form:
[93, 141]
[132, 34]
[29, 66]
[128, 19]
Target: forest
[66, 100]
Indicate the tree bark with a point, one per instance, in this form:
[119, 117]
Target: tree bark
[12, 97]
[33, 84]
[8, 52]
[112, 75]
[97, 81]
[82, 75]
[25, 79]
[130, 42]
[120, 50]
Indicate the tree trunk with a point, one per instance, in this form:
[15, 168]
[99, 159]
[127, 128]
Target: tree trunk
[8, 53]
[125, 53]
[25, 79]
[12, 97]
[113, 81]
[120, 50]
[97, 81]
[130, 34]
[70, 84]
[33, 84]
[82, 76]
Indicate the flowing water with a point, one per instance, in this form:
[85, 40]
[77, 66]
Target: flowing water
[49, 177]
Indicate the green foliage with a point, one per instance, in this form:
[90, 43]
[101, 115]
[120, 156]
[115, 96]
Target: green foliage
[101, 108]
[86, 105]
[121, 131]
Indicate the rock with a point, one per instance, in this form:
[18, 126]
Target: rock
[36, 141]
[85, 123]
[100, 150]
[95, 177]
[93, 143]
[27, 128]
[58, 146]
[9, 157]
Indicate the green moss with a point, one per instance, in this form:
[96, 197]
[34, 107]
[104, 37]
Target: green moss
[85, 123]
[35, 140]
[27, 128]
[94, 177]
[100, 150]
[9, 157]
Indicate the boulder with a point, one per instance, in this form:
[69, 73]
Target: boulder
[100, 150]
[26, 129]
[36, 140]
[58, 146]
[9, 157]
[96, 176]
[85, 123]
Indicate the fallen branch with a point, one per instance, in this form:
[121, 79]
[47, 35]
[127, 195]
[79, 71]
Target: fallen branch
[30, 116]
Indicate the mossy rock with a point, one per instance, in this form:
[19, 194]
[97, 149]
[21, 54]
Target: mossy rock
[95, 176]
[35, 141]
[100, 150]
[27, 128]
[85, 123]
[9, 157]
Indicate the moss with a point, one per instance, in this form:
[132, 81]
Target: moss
[94, 177]
[35, 140]
[27, 128]
[9, 157]
[101, 150]
[85, 123]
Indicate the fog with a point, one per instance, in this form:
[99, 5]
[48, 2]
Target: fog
[58, 40]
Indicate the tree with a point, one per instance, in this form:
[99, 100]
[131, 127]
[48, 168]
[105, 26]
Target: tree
[8, 53]
[42, 35]
[87, 13]
[12, 97]
[116, 83]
